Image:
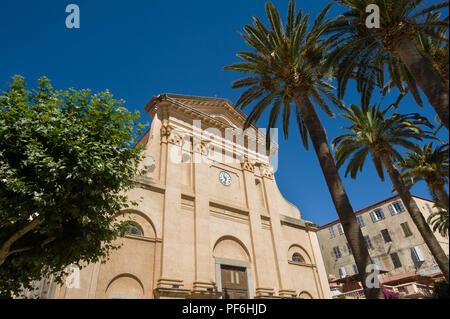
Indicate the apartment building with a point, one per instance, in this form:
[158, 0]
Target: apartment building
[394, 242]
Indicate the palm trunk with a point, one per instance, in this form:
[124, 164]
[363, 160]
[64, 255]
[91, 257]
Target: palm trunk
[344, 209]
[441, 193]
[426, 78]
[417, 217]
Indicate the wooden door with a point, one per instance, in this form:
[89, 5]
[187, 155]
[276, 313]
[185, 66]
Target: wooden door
[234, 282]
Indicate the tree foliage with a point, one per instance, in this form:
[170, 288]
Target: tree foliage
[66, 160]
[285, 59]
[441, 289]
[367, 54]
[373, 131]
[431, 165]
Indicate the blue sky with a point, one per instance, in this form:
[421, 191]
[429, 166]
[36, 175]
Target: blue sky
[138, 49]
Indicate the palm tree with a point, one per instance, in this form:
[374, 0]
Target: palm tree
[435, 48]
[365, 53]
[286, 67]
[372, 131]
[430, 165]
[439, 221]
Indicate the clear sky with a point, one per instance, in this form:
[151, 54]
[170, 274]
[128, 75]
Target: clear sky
[141, 48]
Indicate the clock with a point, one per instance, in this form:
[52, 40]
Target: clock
[225, 178]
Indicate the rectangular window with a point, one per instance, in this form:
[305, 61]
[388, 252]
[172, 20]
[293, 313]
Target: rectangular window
[416, 254]
[337, 252]
[386, 236]
[331, 230]
[340, 229]
[355, 269]
[377, 215]
[396, 260]
[360, 220]
[406, 229]
[396, 208]
[368, 242]
[342, 272]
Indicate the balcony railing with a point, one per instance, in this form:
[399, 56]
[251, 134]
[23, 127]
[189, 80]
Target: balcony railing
[414, 290]
[407, 291]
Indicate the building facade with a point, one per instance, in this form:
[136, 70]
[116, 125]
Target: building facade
[217, 227]
[391, 236]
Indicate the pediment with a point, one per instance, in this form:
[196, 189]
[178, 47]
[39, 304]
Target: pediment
[217, 108]
[215, 112]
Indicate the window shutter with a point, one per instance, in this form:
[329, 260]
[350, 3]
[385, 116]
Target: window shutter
[360, 221]
[386, 236]
[382, 214]
[376, 262]
[342, 272]
[417, 254]
[355, 268]
[396, 260]
[331, 230]
[406, 229]
[400, 204]
[372, 215]
[392, 209]
[368, 242]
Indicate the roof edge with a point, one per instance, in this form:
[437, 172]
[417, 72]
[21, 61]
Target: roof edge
[362, 210]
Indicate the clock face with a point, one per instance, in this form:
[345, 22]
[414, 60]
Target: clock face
[225, 178]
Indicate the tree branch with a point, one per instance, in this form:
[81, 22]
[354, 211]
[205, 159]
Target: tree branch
[47, 241]
[18, 250]
[4, 250]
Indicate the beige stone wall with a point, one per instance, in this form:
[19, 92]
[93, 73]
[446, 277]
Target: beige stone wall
[192, 223]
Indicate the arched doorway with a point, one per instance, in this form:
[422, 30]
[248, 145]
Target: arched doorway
[233, 268]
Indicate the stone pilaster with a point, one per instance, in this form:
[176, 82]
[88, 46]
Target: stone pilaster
[259, 250]
[281, 259]
[170, 283]
[204, 286]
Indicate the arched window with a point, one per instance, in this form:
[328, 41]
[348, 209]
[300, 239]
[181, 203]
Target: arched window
[133, 229]
[296, 257]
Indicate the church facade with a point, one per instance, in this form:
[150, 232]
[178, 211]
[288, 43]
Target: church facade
[210, 220]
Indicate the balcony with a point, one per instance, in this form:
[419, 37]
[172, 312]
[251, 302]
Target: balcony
[414, 291]
[410, 290]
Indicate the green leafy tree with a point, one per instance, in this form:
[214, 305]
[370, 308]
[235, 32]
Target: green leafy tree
[286, 67]
[366, 53]
[430, 165]
[373, 131]
[441, 289]
[66, 159]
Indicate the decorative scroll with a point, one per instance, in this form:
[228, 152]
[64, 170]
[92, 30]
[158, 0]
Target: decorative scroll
[166, 130]
[266, 171]
[246, 165]
[201, 147]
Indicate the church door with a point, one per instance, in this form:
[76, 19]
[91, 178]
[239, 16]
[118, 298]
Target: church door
[234, 282]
